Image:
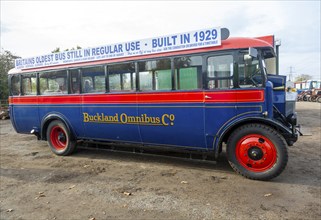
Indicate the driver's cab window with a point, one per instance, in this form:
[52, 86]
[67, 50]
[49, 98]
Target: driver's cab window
[249, 72]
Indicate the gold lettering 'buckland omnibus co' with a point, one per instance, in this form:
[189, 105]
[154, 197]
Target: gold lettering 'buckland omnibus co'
[196, 92]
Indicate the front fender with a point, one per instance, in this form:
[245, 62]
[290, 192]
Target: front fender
[286, 132]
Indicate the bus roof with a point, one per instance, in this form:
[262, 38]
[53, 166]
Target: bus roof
[228, 44]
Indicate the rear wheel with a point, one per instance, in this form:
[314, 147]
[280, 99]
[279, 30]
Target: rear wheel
[319, 99]
[257, 152]
[59, 139]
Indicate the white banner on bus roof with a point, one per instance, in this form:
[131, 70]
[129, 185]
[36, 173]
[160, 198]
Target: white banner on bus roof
[182, 41]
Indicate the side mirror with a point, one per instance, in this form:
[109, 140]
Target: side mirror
[253, 52]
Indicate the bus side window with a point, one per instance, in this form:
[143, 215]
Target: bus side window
[15, 85]
[155, 75]
[52, 83]
[29, 84]
[122, 77]
[93, 79]
[74, 85]
[188, 72]
[220, 72]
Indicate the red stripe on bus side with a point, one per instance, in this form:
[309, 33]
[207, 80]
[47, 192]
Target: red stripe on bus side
[238, 96]
[168, 97]
[145, 98]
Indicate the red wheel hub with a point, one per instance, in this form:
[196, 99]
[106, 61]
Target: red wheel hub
[58, 138]
[256, 153]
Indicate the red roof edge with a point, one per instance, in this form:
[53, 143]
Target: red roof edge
[269, 39]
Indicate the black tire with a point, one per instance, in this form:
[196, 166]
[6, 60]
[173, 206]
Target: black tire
[305, 98]
[257, 151]
[319, 99]
[59, 139]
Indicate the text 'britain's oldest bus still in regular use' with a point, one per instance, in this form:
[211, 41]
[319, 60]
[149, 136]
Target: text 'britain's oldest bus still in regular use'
[199, 92]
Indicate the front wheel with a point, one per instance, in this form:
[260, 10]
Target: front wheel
[59, 139]
[257, 152]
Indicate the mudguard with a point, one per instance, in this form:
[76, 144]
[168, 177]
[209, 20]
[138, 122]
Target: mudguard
[49, 118]
[284, 131]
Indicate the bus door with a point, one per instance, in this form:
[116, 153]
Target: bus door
[111, 116]
[220, 98]
[172, 118]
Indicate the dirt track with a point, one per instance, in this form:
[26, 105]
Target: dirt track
[97, 184]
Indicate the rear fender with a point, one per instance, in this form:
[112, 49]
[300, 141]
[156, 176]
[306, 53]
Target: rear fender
[51, 117]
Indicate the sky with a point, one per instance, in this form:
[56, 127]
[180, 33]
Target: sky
[32, 28]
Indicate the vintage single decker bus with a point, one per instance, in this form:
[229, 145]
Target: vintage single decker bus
[199, 91]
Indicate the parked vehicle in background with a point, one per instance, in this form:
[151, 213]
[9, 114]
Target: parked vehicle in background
[309, 90]
[315, 96]
[307, 85]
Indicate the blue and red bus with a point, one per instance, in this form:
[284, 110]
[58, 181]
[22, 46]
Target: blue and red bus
[200, 100]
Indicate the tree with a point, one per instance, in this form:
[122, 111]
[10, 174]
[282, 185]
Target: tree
[6, 63]
[302, 77]
[57, 50]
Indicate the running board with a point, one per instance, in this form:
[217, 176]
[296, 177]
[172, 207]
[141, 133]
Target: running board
[156, 152]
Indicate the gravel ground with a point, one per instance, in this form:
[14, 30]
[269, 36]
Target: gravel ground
[99, 184]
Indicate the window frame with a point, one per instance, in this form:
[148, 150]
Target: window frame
[22, 86]
[11, 84]
[70, 83]
[81, 76]
[206, 78]
[50, 94]
[260, 59]
[138, 88]
[200, 77]
[133, 83]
